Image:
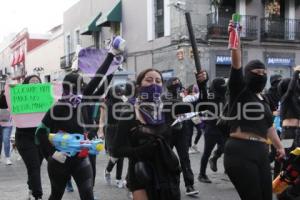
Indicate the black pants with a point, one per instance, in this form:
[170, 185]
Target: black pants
[81, 171]
[247, 165]
[93, 165]
[212, 136]
[180, 141]
[189, 131]
[119, 162]
[32, 158]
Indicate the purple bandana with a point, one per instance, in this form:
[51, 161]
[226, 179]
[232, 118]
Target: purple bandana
[150, 104]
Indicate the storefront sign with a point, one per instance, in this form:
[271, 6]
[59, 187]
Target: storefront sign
[279, 61]
[223, 60]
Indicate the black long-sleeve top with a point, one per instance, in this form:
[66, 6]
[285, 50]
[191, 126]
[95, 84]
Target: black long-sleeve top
[63, 117]
[213, 105]
[290, 103]
[241, 99]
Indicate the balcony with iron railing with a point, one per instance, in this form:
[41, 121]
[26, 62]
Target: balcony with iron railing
[217, 26]
[280, 30]
[66, 61]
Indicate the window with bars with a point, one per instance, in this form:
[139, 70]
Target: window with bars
[77, 37]
[68, 42]
[159, 18]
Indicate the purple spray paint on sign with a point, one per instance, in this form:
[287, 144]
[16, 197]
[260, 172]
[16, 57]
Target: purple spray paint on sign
[90, 59]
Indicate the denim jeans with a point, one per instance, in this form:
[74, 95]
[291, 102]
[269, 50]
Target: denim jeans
[5, 132]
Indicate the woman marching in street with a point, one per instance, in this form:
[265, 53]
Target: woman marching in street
[246, 155]
[108, 128]
[290, 117]
[26, 146]
[5, 128]
[212, 133]
[144, 136]
[65, 116]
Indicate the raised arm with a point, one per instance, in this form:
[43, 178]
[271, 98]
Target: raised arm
[93, 84]
[236, 81]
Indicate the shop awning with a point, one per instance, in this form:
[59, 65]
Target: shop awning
[21, 57]
[114, 15]
[13, 61]
[90, 28]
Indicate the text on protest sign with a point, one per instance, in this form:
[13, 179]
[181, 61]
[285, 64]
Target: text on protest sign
[31, 98]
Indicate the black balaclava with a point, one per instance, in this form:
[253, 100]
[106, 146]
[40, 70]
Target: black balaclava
[27, 79]
[283, 86]
[255, 83]
[72, 84]
[272, 93]
[174, 89]
[274, 80]
[218, 87]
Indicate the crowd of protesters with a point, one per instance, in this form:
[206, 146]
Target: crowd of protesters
[145, 120]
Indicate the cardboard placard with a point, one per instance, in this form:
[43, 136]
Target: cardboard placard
[31, 98]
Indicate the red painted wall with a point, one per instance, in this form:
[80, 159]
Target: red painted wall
[33, 43]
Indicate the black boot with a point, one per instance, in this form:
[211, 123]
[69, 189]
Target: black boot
[213, 164]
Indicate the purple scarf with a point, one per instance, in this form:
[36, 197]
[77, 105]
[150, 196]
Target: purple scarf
[73, 99]
[150, 104]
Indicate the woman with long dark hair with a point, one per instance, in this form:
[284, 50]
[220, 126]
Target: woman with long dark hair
[143, 136]
[68, 115]
[25, 143]
[246, 158]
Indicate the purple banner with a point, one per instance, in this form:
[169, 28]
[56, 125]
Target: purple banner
[90, 59]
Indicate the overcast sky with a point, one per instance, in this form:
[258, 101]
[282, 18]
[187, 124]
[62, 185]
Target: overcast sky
[39, 16]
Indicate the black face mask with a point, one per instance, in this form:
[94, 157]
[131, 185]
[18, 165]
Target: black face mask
[221, 91]
[255, 83]
[175, 89]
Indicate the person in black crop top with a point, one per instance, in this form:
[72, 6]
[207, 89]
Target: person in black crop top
[290, 116]
[66, 116]
[246, 156]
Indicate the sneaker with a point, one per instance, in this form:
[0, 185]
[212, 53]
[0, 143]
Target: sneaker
[195, 148]
[8, 161]
[107, 177]
[204, 179]
[190, 191]
[213, 164]
[69, 187]
[119, 183]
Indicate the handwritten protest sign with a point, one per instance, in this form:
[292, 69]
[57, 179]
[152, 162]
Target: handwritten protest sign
[31, 98]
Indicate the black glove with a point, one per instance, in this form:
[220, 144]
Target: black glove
[201, 83]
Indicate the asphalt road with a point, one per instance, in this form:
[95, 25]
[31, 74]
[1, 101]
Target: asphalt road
[13, 182]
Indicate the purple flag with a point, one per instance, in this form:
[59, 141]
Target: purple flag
[90, 59]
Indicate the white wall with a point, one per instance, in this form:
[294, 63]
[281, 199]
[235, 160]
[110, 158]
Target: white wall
[47, 56]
